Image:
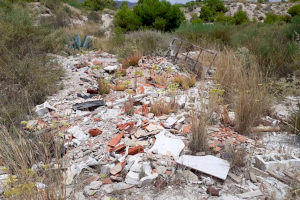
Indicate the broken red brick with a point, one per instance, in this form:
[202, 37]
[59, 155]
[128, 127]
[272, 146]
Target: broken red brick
[123, 126]
[145, 110]
[119, 148]
[241, 139]
[135, 150]
[160, 86]
[147, 85]
[187, 129]
[97, 120]
[140, 90]
[168, 172]
[91, 179]
[139, 111]
[114, 141]
[92, 91]
[107, 181]
[94, 132]
[97, 62]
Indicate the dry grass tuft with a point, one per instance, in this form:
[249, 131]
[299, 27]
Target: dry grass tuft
[245, 92]
[129, 109]
[103, 86]
[185, 82]
[161, 107]
[161, 79]
[198, 142]
[19, 154]
[236, 156]
[132, 60]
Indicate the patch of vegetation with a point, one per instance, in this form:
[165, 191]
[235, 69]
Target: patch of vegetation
[27, 76]
[147, 15]
[98, 5]
[211, 9]
[294, 10]
[272, 44]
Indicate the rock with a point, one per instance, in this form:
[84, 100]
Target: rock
[88, 191]
[111, 68]
[79, 196]
[189, 176]
[69, 191]
[115, 178]
[116, 169]
[148, 180]
[161, 170]
[132, 178]
[150, 115]
[90, 179]
[250, 194]
[107, 188]
[95, 185]
[105, 170]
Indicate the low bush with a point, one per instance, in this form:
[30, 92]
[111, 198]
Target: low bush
[211, 9]
[294, 10]
[240, 17]
[225, 19]
[27, 74]
[147, 15]
[272, 44]
[244, 88]
[161, 107]
[103, 86]
[98, 5]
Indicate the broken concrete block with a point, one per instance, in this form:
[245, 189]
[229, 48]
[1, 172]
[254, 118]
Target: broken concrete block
[250, 194]
[132, 178]
[167, 145]
[275, 162]
[95, 185]
[79, 196]
[148, 180]
[44, 108]
[211, 165]
[170, 122]
[258, 172]
[161, 170]
[188, 176]
[77, 133]
[111, 68]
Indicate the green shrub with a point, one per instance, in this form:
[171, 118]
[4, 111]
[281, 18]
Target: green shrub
[240, 17]
[272, 18]
[197, 21]
[211, 9]
[26, 75]
[98, 5]
[294, 10]
[225, 19]
[95, 16]
[273, 44]
[149, 14]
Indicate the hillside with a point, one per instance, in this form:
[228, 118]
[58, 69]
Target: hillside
[254, 10]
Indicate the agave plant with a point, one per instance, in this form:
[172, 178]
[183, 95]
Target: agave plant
[79, 44]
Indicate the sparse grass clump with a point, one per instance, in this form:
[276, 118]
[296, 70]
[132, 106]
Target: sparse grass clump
[244, 88]
[161, 107]
[185, 82]
[198, 142]
[27, 76]
[103, 86]
[129, 109]
[132, 60]
[18, 154]
[294, 121]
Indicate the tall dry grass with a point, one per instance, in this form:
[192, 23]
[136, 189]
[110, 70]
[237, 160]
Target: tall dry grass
[245, 91]
[29, 160]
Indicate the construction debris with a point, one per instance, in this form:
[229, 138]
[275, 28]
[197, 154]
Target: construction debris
[112, 147]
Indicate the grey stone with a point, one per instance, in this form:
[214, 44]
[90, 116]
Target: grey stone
[95, 185]
[79, 196]
[111, 68]
[108, 188]
[88, 191]
[189, 176]
[132, 178]
[161, 170]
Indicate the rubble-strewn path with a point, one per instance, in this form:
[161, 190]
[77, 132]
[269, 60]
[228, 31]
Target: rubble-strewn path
[121, 148]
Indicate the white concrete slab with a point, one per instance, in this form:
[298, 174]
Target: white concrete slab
[211, 165]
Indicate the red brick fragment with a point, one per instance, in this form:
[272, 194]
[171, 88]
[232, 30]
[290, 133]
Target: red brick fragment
[107, 181]
[187, 129]
[92, 91]
[113, 142]
[135, 150]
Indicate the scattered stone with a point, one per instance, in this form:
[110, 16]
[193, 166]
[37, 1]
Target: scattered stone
[188, 176]
[161, 170]
[111, 68]
[105, 170]
[95, 185]
[250, 194]
[79, 196]
[116, 178]
[90, 179]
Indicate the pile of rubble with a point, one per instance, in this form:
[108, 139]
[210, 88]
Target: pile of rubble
[108, 151]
